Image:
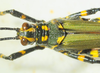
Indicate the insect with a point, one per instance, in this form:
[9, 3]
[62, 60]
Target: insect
[74, 36]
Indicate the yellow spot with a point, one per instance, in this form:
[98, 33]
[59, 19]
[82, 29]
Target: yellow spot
[1, 13]
[44, 38]
[60, 26]
[54, 46]
[60, 39]
[46, 28]
[23, 17]
[1, 55]
[36, 26]
[84, 13]
[22, 52]
[81, 58]
[51, 11]
[79, 52]
[94, 53]
[43, 27]
[36, 38]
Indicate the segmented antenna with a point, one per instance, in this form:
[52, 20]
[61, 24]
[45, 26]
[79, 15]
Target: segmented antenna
[9, 38]
[6, 28]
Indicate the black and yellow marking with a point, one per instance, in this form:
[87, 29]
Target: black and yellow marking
[44, 33]
[81, 57]
[84, 13]
[23, 17]
[60, 39]
[44, 38]
[94, 53]
[22, 52]
[60, 26]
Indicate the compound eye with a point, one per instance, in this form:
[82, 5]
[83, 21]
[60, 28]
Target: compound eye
[25, 26]
[24, 41]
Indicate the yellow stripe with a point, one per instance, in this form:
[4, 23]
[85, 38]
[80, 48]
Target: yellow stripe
[44, 38]
[46, 28]
[81, 57]
[60, 39]
[43, 27]
[79, 52]
[23, 17]
[30, 39]
[60, 26]
[84, 13]
[94, 53]
[22, 52]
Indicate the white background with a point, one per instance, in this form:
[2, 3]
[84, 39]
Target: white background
[45, 61]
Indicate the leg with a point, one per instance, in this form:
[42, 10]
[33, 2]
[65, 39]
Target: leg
[95, 52]
[81, 57]
[77, 16]
[20, 15]
[21, 53]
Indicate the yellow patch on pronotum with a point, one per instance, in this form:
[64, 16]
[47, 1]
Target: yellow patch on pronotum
[22, 52]
[81, 58]
[94, 53]
[83, 13]
[23, 17]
